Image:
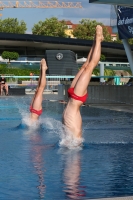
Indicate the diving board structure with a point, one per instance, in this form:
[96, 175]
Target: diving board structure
[124, 13]
[127, 3]
[61, 62]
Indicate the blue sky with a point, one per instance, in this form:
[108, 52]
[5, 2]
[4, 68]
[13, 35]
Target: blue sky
[31, 16]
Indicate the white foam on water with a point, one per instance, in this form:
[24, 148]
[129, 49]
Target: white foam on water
[30, 124]
[51, 123]
[66, 138]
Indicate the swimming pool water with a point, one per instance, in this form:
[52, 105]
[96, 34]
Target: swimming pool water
[33, 166]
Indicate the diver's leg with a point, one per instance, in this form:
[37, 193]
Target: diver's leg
[39, 82]
[84, 79]
[84, 65]
[6, 87]
[37, 99]
[1, 89]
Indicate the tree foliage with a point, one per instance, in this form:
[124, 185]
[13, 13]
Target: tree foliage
[96, 72]
[102, 58]
[5, 69]
[86, 30]
[12, 25]
[10, 55]
[130, 41]
[107, 72]
[50, 27]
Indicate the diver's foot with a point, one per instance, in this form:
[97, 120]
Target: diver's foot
[43, 64]
[99, 33]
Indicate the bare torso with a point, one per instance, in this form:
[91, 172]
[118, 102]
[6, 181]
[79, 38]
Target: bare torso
[72, 117]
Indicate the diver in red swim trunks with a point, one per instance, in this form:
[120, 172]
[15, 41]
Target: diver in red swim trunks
[36, 104]
[78, 90]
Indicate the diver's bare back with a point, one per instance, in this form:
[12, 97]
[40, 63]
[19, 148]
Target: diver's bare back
[72, 118]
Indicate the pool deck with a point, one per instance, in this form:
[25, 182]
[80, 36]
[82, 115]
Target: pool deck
[117, 107]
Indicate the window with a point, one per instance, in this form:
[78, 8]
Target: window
[69, 26]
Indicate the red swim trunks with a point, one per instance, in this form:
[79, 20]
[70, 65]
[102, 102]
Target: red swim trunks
[72, 95]
[38, 112]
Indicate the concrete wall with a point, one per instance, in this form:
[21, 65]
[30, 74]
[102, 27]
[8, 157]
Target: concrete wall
[111, 94]
[105, 94]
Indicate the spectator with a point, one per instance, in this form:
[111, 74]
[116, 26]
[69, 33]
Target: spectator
[34, 79]
[3, 84]
[117, 80]
[122, 80]
[31, 74]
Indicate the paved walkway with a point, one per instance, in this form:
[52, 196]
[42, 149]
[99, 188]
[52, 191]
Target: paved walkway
[49, 95]
[117, 107]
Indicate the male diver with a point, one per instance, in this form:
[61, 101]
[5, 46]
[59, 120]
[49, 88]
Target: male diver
[78, 90]
[36, 104]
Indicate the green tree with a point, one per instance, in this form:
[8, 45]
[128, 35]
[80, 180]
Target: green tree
[130, 41]
[96, 71]
[86, 30]
[10, 55]
[12, 25]
[108, 72]
[50, 27]
[102, 58]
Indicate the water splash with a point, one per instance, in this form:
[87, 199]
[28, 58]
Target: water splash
[27, 124]
[54, 127]
[66, 138]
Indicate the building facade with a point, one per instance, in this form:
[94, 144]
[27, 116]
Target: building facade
[33, 47]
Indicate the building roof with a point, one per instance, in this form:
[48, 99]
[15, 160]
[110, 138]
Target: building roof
[48, 42]
[15, 39]
[70, 23]
[109, 28]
